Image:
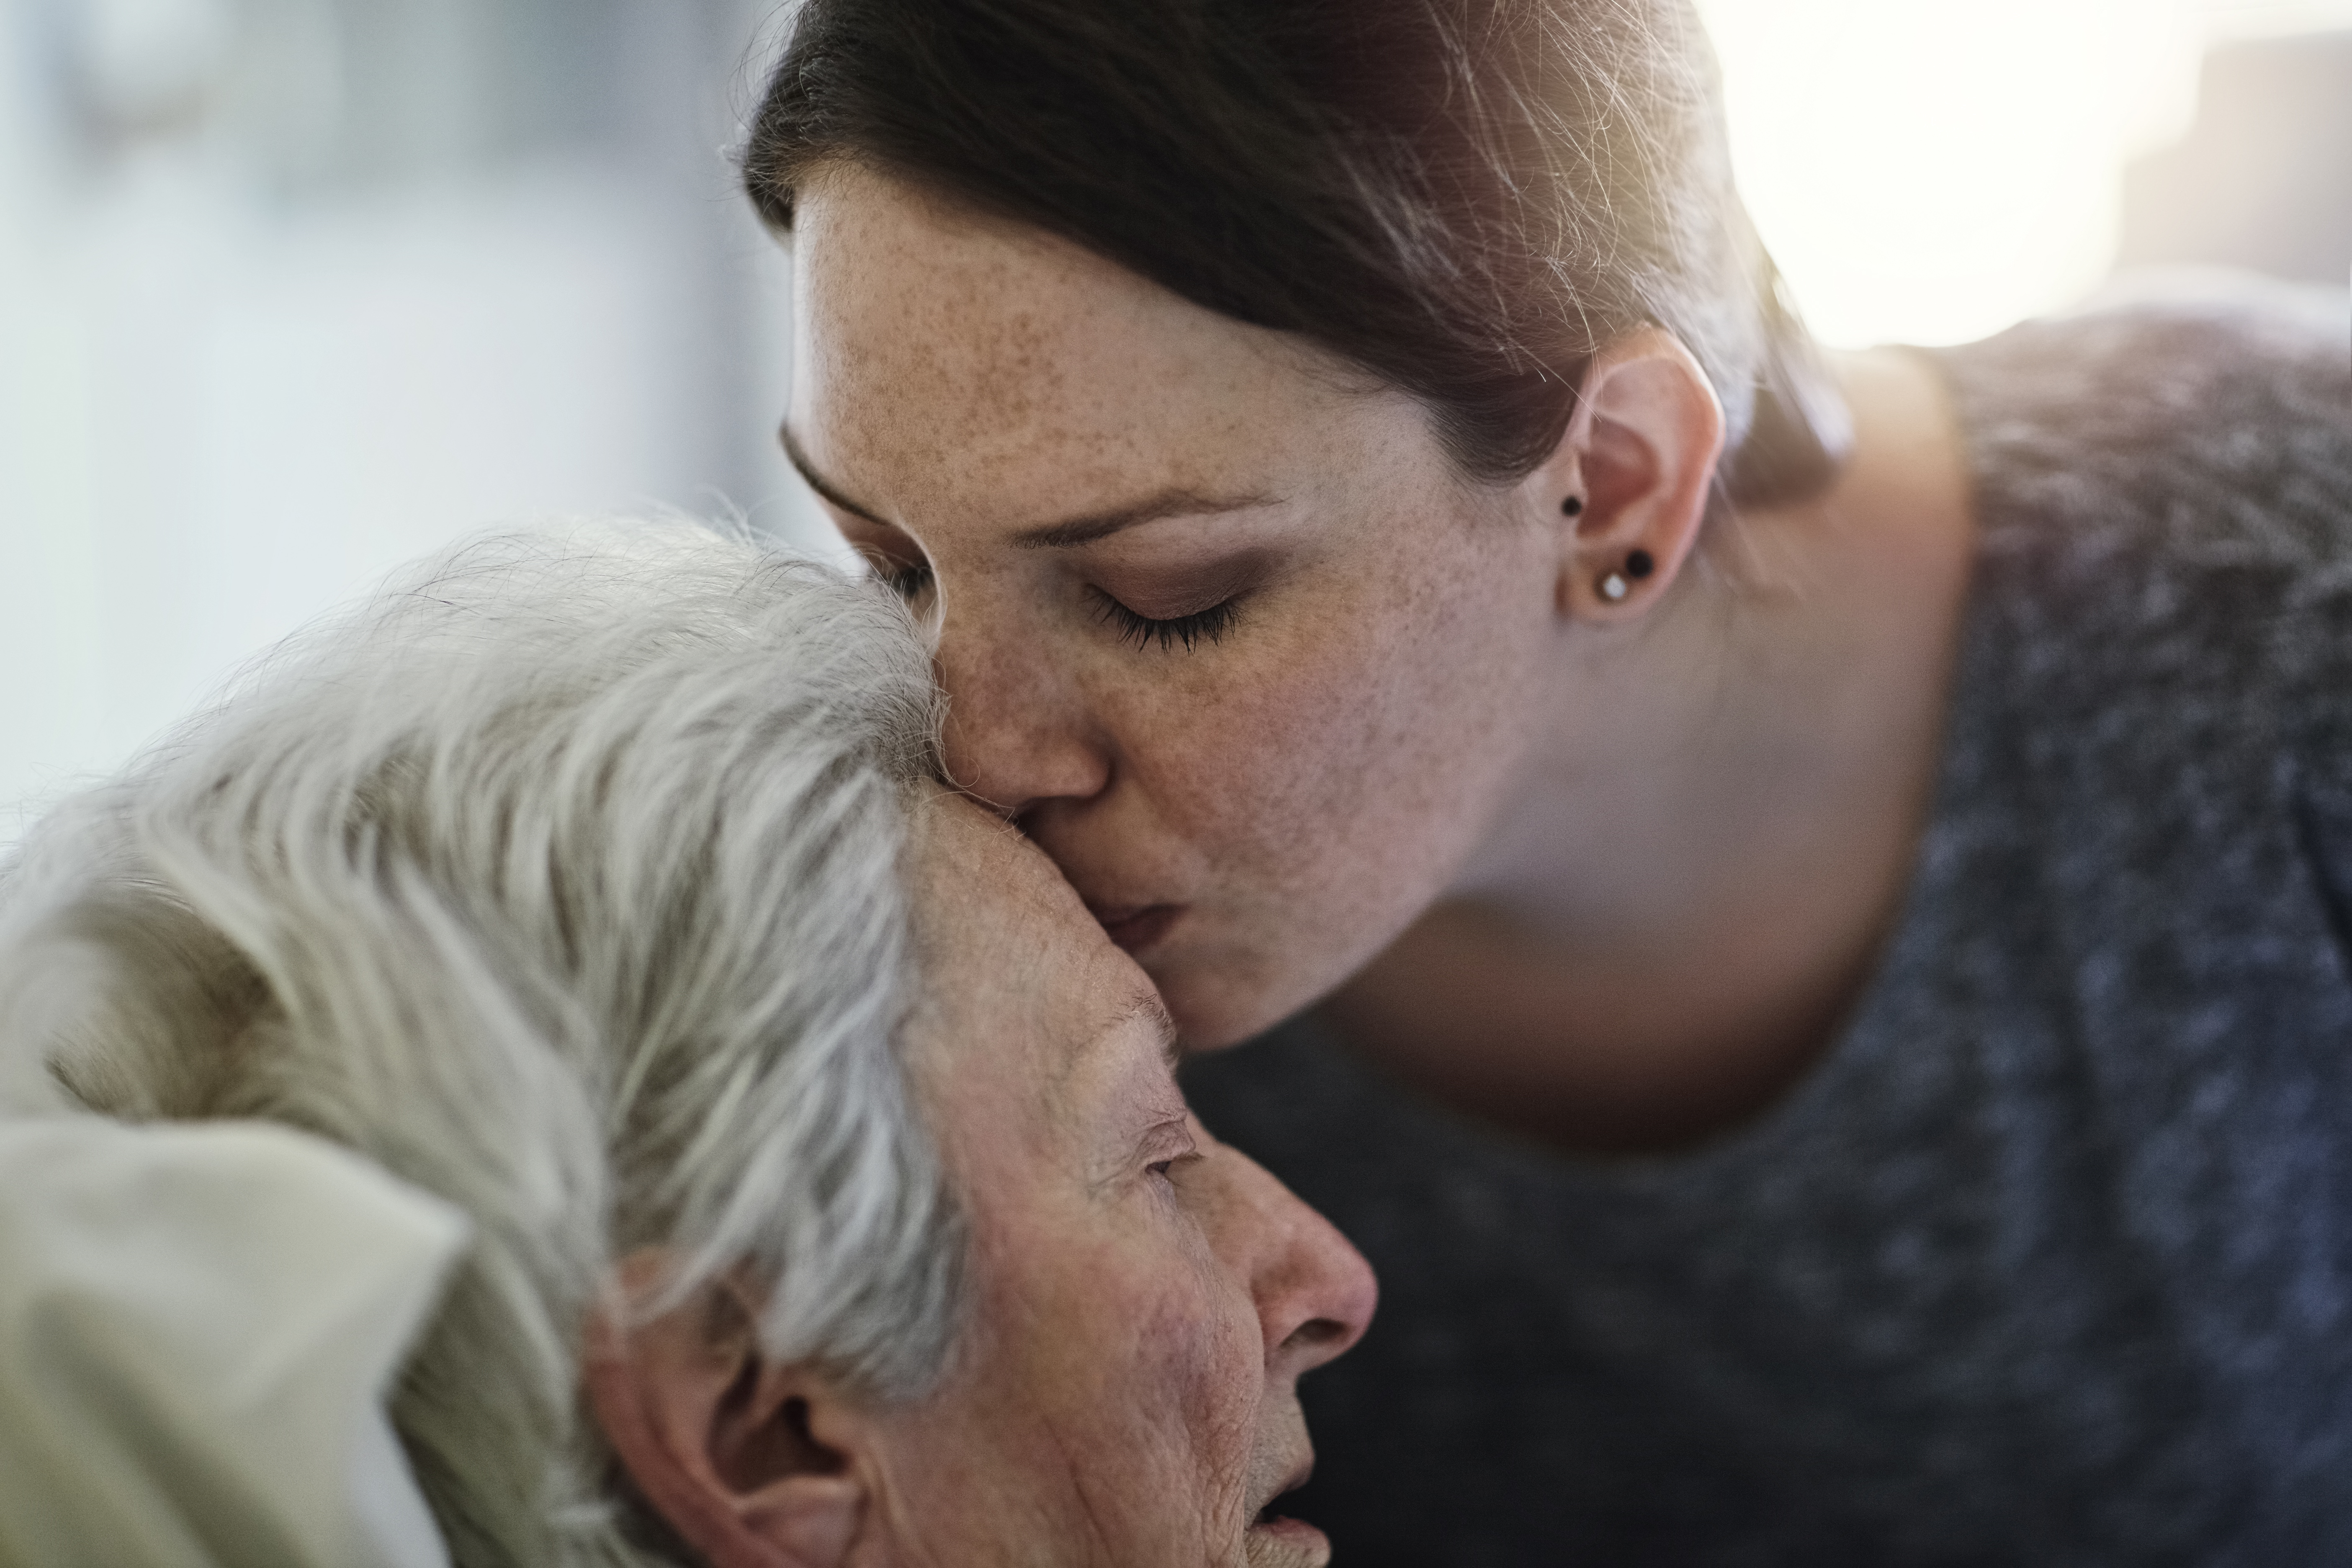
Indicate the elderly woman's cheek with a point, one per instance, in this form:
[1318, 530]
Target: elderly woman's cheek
[1214, 1367]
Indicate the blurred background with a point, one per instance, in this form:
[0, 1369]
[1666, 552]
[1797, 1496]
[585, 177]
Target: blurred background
[291, 290]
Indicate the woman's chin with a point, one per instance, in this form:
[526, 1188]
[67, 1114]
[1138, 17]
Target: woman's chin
[1212, 1011]
[1223, 990]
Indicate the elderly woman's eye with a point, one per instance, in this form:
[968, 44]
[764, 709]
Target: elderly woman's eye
[1166, 1169]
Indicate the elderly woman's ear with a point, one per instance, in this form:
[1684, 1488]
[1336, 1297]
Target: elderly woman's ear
[753, 1464]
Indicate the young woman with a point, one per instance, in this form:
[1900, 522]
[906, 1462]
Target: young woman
[1831, 883]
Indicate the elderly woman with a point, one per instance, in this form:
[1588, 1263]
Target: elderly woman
[1828, 878]
[829, 1195]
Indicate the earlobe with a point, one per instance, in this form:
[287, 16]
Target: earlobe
[1630, 476]
[719, 1441]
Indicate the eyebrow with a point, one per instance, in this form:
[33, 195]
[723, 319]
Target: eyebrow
[1149, 1009]
[1176, 500]
[1144, 1007]
[1171, 1047]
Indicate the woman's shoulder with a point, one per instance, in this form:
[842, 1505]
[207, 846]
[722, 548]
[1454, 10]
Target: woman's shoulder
[2183, 417]
[2155, 355]
[2162, 605]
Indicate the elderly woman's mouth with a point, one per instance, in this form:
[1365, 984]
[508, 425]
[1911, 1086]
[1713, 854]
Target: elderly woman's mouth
[1276, 1541]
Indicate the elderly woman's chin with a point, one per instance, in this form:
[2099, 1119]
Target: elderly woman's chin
[1139, 1299]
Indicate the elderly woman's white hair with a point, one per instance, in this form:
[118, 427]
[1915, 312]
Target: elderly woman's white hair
[562, 880]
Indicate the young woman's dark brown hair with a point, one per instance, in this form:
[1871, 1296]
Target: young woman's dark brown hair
[1465, 199]
[1822, 880]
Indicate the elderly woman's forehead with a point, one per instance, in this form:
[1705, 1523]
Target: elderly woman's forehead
[996, 920]
[969, 860]
[1014, 962]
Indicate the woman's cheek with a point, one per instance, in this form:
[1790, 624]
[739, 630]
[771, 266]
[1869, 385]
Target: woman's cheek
[1280, 742]
[1328, 730]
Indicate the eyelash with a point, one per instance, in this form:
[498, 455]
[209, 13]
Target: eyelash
[906, 581]
[1166, 1169]
[1209, 626]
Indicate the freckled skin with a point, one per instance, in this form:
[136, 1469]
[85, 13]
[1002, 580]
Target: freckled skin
[1127, 1396]
[1605, 869]
[1305, 784]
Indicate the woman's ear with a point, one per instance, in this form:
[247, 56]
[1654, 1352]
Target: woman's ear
[1627, 487]
[753, 1464]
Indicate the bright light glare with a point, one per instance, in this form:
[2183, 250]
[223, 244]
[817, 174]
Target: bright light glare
[1926, 172]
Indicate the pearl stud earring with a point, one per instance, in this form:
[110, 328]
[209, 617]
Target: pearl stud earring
[1639, 564]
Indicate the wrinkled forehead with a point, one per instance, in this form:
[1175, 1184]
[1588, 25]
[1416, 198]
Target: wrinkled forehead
[1024, 999]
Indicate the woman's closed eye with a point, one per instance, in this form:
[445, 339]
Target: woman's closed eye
[1172, 1148]
[912, 579]
[1208, 625]
[901, 566]
[1166, 1169]
[907, 579]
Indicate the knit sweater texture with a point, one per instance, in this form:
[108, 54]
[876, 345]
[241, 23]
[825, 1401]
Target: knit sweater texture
[2049, 1259]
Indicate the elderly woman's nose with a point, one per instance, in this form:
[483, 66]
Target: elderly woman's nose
[1017, 732]
[1314, 1291]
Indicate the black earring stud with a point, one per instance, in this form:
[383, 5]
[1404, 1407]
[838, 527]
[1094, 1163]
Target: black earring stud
[1639, 564]
[1572, 507]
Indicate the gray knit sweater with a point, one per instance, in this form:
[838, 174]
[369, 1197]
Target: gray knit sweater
[2050, 1260]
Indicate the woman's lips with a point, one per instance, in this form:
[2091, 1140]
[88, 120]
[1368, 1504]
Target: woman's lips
[1136, 927]
[1281, 1542]
[1276, 1541]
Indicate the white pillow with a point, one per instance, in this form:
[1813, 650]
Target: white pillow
[197, 1326]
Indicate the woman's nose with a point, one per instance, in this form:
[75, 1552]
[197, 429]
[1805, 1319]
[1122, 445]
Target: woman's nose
[1314, 1291]
[1017, 731]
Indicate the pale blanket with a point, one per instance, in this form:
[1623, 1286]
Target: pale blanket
[197, 1327]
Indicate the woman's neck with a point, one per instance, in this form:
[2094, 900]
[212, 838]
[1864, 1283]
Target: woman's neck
[1710, 840]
